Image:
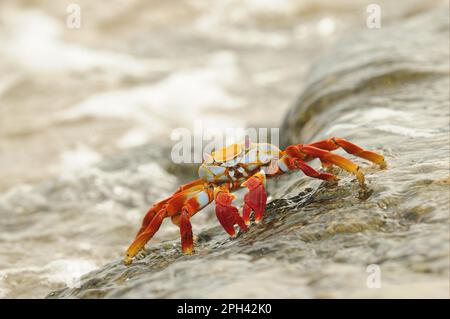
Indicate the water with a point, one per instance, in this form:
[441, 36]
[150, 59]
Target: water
[85, 122]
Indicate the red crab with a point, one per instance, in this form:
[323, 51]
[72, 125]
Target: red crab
[243, 165]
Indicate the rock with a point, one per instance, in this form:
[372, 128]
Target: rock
[51, 231]
[386, 90]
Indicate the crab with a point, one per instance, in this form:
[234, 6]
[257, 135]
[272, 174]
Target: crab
[246, 165]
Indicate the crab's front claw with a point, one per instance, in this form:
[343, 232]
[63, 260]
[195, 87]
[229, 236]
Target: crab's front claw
[227, 214]
[255, 200]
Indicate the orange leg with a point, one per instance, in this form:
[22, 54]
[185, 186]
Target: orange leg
[334, 143]
[187, 242]
[227, 214]
[307, 152]
[145, 236]
[157, 207]
[151, 214]
[256, 198]
[293, 163]
[191, 207]
[188, 201]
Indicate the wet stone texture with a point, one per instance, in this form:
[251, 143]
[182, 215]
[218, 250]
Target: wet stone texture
[386, 90]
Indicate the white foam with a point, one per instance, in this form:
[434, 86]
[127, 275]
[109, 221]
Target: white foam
[326, 26]
[180, 98]
[78, 158]
[68, 271]
[225, 19]
[36, 43]
[3, 290]
[406, 131]
[133, 137]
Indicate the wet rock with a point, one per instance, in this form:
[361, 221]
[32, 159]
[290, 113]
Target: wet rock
[51, 232]
[386, 90]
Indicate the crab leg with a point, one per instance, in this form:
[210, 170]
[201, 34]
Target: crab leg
[287, 163]
[145, 236]
[187, 242]
[334, 143]
[158, 206]
[188, 202]
[151, 214]
[227, 214]
[189, 209]
[255, 200]
[308, 152]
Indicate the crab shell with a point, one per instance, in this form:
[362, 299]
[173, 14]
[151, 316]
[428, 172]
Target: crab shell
[236, 162]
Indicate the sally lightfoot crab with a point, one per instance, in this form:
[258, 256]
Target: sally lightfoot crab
[243, 165]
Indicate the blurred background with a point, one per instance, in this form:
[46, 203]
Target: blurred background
[134, 71]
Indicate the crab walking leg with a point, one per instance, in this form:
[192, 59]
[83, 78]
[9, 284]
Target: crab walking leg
[334, 143]
[286, 164]
[150, 215]
[192, 184]
[326, 156]
[256, 198]
[171, 207]
[190, 208]
[157, 207]
[187, 242]
[227, 214]
[176, 219]
[145, 236]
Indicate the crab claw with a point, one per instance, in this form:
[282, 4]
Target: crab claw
[255, 200]
[227, 214]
